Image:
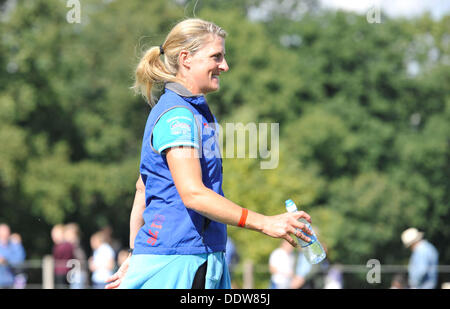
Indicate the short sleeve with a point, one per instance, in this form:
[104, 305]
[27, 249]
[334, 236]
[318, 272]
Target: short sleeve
[176, 127]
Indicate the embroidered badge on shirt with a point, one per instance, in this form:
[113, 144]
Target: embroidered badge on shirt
[179, 128]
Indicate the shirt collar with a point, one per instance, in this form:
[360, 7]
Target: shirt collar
[185, 93]
[179, 89]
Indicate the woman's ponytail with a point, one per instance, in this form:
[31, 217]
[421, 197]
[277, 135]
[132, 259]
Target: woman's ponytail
[149, 71]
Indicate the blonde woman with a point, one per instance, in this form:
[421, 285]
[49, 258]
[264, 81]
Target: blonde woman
[179, 217]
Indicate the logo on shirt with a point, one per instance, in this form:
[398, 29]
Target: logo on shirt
[155, 228]
[180, 128]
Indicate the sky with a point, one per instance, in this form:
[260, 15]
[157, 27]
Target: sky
[393, 8]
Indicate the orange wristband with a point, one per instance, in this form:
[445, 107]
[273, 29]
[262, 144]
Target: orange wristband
[243, 217]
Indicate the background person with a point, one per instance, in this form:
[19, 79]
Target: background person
[20, 276]
[12, 254]
[62, 252]
[102, 261]
[281, 266]
[79, 276]
[424, 260]
[334, 278]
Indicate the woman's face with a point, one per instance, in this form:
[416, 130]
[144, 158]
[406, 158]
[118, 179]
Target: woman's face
[205, 66]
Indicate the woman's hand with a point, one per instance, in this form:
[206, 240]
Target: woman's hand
[281, 226]
[117, 278]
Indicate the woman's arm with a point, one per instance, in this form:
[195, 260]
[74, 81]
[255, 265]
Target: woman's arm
[136, 222]
[136, 219]
[186, 172]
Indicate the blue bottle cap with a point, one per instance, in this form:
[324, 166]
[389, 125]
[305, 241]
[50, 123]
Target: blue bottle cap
[290, 206]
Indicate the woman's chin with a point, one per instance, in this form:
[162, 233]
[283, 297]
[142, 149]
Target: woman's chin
[213, 87]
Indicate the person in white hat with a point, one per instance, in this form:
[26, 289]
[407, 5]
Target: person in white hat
[422, 269]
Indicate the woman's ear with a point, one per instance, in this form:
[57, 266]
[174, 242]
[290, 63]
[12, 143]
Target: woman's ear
[185, 59]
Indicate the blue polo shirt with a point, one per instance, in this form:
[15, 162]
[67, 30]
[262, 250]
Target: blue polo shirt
[171, 228]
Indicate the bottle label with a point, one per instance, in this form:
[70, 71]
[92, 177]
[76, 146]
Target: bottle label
[313, 237]
[304, 244]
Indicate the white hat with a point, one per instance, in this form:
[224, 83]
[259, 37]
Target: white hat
[411, 236]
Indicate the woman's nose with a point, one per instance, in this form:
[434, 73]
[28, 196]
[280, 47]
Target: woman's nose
[224, 66]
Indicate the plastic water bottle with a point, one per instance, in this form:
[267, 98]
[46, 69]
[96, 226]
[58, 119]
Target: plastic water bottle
[312, 250]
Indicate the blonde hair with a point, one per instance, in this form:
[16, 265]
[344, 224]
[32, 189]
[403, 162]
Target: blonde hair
[190, 34]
